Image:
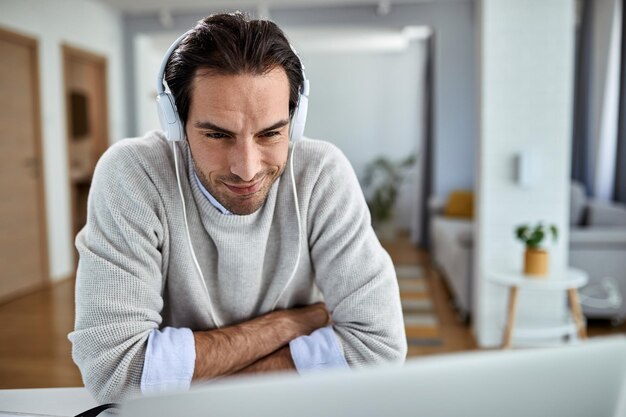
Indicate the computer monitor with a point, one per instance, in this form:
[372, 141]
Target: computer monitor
[583, 380]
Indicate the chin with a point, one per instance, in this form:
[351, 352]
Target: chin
[245, 208]
[244, 205]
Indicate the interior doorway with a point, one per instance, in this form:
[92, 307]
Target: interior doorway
[23, 237]
[87, 123]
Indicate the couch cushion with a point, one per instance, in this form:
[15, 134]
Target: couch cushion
[602, 213]
[599, 238]
[578, 202]
[460, 204]
[458, 232]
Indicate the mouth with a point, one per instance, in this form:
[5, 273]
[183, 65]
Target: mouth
[245, 189]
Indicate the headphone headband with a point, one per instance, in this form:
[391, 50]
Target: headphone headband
[170, 51]
[174, 127]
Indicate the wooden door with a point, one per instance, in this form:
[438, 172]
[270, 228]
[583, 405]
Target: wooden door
[23, 241]
[86, 108]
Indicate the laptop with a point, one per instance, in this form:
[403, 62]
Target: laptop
[586, 380]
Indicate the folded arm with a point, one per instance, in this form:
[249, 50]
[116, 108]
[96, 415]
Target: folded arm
[353, 271]
[260, 344]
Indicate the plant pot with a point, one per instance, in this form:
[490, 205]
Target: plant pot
[536, 262]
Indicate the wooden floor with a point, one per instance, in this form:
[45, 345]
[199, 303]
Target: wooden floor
[455, 336]
[35, 351]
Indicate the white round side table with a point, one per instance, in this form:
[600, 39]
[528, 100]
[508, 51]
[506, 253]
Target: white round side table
[569, 282]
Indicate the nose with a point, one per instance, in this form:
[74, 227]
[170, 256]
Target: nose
[245, 160]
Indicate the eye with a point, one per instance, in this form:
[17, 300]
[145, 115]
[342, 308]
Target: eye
[270, 134]
[216, 135]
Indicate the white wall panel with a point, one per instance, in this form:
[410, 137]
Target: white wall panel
[526, 50]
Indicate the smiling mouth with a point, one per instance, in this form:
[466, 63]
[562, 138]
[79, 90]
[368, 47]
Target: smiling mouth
[244, 190]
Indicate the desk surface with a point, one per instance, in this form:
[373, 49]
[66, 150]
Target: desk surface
[45, 401]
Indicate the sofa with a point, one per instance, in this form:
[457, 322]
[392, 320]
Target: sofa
[597, 245]
[452, 249]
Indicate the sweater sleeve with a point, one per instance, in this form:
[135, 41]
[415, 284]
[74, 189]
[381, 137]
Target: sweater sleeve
[352, 269]
[119, 276]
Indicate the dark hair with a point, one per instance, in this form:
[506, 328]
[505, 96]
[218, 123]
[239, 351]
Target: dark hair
[231, 44]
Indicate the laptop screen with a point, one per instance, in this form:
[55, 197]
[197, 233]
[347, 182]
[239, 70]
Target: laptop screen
[576, 380]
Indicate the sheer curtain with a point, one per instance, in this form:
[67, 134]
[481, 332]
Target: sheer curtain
[581, 145]
[620, 172]
[599, 125]
[606, 145]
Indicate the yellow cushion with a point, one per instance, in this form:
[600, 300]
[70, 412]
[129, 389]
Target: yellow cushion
[460, 204]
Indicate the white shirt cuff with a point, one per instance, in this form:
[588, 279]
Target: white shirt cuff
[320, 350]
[169, 362]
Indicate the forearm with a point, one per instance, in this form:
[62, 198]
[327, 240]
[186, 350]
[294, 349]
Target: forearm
[226, 351]
[319, 350]
[279, 360]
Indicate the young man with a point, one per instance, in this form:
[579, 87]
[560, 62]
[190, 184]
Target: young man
[259, 257]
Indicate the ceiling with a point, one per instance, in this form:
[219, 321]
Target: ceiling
[181, 6]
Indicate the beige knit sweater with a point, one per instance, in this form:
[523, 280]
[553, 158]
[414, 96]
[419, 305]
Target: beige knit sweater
[136, 271]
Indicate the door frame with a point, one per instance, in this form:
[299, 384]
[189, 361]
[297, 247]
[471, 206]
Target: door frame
[68, 52]
[33, 45]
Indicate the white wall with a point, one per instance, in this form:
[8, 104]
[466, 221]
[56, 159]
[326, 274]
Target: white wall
[368, 103]
[84, 24]
[366, 97]
[149, 51]
[526, 57]
[453, 23]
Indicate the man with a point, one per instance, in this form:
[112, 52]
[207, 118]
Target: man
[242, 274]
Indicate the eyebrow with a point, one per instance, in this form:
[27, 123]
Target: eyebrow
[208, 125]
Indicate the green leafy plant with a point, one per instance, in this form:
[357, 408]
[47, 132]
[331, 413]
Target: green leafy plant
[533, 236]
[381, 182]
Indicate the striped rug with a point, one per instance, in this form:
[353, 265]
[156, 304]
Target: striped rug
[420, 318]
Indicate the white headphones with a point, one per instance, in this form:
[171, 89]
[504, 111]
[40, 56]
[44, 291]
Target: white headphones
[174, 127]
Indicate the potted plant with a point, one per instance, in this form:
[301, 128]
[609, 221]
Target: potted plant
[536, 257]
[381, 182]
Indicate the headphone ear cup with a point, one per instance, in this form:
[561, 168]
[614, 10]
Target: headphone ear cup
[169, 118]
[299, 118]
